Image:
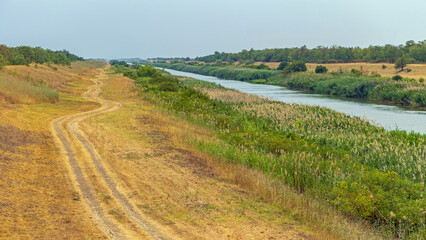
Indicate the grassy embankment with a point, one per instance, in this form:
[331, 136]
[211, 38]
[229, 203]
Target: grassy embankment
[364, 171]
[37, 198]
[406, 92]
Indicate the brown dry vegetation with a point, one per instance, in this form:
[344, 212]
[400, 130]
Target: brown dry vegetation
[37, 198]
[189, 193]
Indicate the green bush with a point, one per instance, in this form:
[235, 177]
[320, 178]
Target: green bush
[321, 69]
[356, 72]
[262, 66]
[3, 61]
[397, 78]
[168, 87]
[147, 71]
[296, 66]
[282, 65]
[375, 74]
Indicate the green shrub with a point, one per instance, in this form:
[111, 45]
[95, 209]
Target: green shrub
[321, 69]
[421, 80]
[168, 87]
[3, 61]
[356, 72]
[262, 66]
[296, 66]
[147, 71]
[375, 74]
[397, 78]
[282, 65]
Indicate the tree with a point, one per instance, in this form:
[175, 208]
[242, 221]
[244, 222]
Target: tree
[262, 66]
[296, 66]
[401, 63]
[4, 50]
[282, 65]
[147, 71]
[19, 59]
[321, 69]
[3, 61]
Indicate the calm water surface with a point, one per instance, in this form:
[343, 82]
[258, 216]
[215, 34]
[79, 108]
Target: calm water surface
[390, 117]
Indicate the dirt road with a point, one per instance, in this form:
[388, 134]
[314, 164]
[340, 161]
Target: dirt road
[71, 139]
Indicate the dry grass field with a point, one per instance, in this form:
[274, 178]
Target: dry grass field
[417, 70]
[37, 197]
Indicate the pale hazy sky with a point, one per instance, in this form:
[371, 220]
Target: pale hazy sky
[166, 28]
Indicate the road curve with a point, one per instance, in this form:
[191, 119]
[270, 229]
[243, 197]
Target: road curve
[69, 125]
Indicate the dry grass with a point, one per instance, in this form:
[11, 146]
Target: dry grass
[41, 82]
[37, 197]
[231, 96]
[418, 70]
[13, 90]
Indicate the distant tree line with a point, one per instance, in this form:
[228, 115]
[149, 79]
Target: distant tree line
[412, 51]
[24, 55]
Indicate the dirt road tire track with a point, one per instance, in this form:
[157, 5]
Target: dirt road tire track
[70, 124]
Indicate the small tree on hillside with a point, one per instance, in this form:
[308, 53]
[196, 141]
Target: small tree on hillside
[262, 67]
[401, 63]
[282, 65]
[296, 66]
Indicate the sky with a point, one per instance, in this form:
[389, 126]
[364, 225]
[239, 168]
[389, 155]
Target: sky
[191, 28]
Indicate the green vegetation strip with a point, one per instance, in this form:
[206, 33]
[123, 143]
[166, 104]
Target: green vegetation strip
[364, 170]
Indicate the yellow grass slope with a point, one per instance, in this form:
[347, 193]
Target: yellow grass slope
[37, 197]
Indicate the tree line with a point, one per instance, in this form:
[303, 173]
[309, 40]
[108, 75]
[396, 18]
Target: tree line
[412, 51]
[24, 55]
